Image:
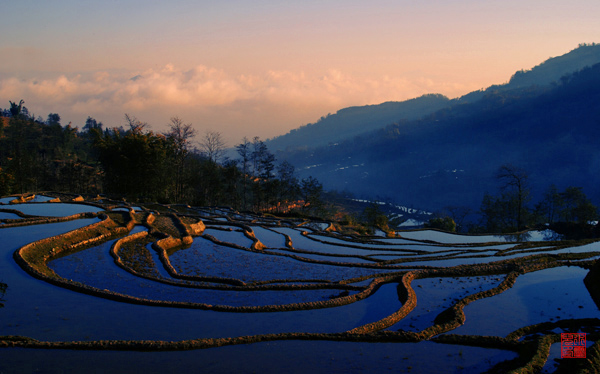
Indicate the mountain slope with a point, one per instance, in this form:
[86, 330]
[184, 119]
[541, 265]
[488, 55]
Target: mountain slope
[353, 121]
[546, 73]
[450, 157]
[553, 69]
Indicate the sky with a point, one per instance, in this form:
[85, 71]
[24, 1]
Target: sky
[264, 67]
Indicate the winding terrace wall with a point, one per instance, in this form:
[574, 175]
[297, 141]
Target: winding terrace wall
[34, 257]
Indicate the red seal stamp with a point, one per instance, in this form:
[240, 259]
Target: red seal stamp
[572, 345]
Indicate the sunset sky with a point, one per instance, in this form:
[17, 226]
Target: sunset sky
[263, 67]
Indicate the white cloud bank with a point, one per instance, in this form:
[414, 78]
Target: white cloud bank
[245, 105]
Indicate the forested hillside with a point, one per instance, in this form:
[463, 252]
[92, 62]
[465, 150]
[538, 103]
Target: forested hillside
[141, 165]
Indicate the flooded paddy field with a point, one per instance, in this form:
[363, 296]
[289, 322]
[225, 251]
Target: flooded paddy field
[99, 286]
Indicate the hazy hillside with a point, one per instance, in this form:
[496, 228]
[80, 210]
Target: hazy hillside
[353, 121]
[450, 157]
[546, 73]
[555, 68]
[349, 122]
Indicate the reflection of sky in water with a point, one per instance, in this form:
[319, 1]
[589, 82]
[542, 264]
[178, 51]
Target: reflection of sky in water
[434, 295]
[554, 357]
[4, 215]
[206, 258]
[95, 267]
[540, 296]
[121, 209]
[592, 247]
[293, 357]
[299, 241]
[42, 198]
[448, 238]
[380, 245]
[464, 260]
[235, 237]
[43, 311]
[104, 274]
[352, 260]
[269, 238]
[54, 209]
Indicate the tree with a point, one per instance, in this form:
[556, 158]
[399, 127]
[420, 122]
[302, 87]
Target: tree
[576, 206]
[266, 164]
[312, 191]
[548, 209]
[514, 181]
[179, 135]
[372, 215]
[442, 223]
[91, 124]
[134, 162]
[508, 212]
[243, 149]
[458, 214]
[22, 139]
[263, 161]
[287, 186]
[257, 144]
[53, 119]
[15, 109]
[498, 213]
[135, 126]
[213, 146]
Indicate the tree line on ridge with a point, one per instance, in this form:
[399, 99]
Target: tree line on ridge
[142, 165]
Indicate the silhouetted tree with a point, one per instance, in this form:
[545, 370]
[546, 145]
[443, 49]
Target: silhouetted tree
[53, 119]
[312, 191]
[372, 215]
[243, 149]
[179, 135]
[213, 146]
[15, 109]
[91, 123]
[458, 214]
[135, 126]
[514, 181]
[576, 207]
[442, 223]
[263, 161]
[548, 209]
[288, 184]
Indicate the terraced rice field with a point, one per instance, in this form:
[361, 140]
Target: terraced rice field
[102, 285]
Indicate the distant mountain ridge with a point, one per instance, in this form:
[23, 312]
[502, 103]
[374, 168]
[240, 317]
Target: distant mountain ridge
[449, 156]
[546, 73]
[353, 121]
[553, 69]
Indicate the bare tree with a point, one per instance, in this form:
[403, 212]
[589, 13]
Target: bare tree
[515, 183]
[180, 134]
[213, 146]
[135, 125]
[458, 214]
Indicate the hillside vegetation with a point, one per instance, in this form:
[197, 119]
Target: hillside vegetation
[449, 157]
